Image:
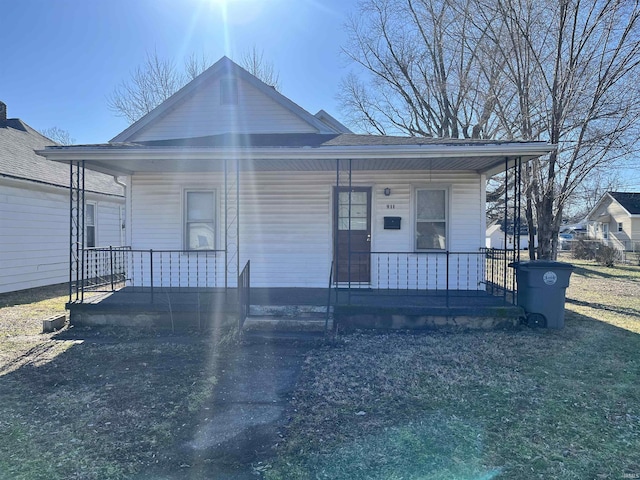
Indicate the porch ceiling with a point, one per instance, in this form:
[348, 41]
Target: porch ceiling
[487, 158]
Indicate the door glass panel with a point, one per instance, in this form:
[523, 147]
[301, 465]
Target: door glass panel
[359, 212]
[358, 224]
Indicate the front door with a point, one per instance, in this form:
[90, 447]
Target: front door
[352, 234]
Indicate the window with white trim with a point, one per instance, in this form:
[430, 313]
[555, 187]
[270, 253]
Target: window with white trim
[90, 225]
[200, 219]
[431, 219]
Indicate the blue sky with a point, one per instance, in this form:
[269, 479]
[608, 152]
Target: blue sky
[61, 58]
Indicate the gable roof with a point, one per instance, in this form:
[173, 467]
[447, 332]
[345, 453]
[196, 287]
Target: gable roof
[18, 160]
[628, 200]
[322, 123]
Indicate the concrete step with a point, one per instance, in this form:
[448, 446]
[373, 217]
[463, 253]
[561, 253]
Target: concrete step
[290, 311]
[284, 324]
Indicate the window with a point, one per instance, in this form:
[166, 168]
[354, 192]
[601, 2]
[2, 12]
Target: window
[431, 219]
[359, 211]
[620, 227]
[228, 91]
[90, 225]
[605, 231]
[200, 208]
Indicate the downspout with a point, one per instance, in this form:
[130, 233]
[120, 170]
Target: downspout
[123, 241]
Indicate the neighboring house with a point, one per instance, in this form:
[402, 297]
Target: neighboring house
[496, 237]
[228, 171]
[34, 210]
[615, 220]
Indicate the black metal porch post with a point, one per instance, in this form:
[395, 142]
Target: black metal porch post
[517, 223]
[336, 225]
[237, 218]
[226, 231]
[349, 234]
[76, 230]
[506, 228]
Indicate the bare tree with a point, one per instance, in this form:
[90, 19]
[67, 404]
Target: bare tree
[563, 71]
[589, 192]
[422, 58]
[253, 61]
[157, 79]
[58, 135]
[149, 85]
[576, 87]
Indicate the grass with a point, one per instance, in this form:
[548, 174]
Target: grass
[96, 403]
[514, 404]
[117, 404]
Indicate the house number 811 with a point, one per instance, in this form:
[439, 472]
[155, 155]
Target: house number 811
[390, 206]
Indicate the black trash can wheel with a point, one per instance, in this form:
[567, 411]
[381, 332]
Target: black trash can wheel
[536, 320]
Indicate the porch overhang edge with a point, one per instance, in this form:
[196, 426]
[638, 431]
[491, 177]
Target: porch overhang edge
[106, 158]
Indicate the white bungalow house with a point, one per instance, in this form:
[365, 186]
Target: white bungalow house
[34, 210]
[615, 220]
[229, 172]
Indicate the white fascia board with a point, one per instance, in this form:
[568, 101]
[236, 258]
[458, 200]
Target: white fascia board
[508, 151]
[597, 205]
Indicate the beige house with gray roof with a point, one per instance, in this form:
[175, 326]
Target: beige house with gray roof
[615, 220]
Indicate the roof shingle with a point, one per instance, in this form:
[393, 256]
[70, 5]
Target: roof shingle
[18, 159]
[630, 201]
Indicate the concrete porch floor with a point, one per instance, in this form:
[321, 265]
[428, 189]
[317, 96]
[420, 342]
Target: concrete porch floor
[355, 308]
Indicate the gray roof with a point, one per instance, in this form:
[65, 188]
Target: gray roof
[630, 201]
[297, 140]
[18, 142]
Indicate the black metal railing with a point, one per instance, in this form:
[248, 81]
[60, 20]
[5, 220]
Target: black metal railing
[108, 269]
[328, 312]
[104, 268]
[482, 272]
[244, 294]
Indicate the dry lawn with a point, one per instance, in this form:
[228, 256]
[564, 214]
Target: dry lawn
[514, 405]
[97, 403]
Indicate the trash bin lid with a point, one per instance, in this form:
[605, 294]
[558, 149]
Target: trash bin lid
[546, 264]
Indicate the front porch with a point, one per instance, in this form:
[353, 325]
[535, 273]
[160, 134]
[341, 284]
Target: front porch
[189, 290]
[323, 309]
[322, 246]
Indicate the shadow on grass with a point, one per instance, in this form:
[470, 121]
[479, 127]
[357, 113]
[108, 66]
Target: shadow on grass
[620, 271]
[31, 295]
[599, 306]
[105, 407]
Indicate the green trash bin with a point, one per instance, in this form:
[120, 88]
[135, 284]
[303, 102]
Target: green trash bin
[541, 291]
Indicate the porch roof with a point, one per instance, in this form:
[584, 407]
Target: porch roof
[301, 152]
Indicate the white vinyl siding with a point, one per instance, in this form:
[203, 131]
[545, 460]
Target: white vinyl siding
[34, 234]
[204, 114]
[286, 225]
[228, 91]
